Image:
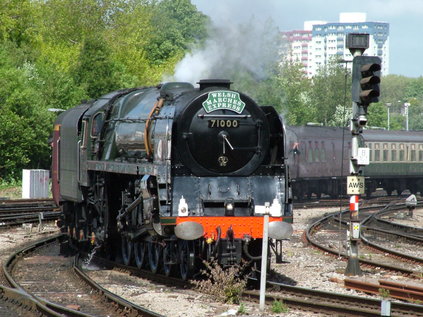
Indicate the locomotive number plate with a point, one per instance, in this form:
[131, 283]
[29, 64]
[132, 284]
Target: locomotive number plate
[222, 123]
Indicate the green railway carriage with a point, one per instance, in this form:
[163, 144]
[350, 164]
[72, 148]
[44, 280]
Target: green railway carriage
[396, 160]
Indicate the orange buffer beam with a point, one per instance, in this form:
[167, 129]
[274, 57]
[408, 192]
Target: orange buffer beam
[241, 226]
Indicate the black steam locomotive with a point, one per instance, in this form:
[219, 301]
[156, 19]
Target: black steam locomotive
[172, 175]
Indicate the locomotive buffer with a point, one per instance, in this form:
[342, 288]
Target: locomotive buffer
[364, 90]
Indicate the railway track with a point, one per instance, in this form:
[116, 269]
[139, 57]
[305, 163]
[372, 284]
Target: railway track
[17, 212]
[298, 298]
[295, 297]
[332, 303]
[50, 284]
[335, 225]
[22, 205]
[403, 291]
[344, 201]
[376, 234]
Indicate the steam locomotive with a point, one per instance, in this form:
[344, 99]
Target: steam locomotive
[172, 175]
[319, 159]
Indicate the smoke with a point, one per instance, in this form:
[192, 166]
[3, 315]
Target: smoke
[229, 51]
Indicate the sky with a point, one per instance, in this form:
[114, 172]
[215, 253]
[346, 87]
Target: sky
[405, 18]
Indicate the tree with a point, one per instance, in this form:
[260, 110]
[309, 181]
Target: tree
[25, 122]
[177, 24]
[415, 89]
[16, 21]
[71, 21]
[392, 90]
[296, 106]
[377, 115]
[95, 70]
[330, 88]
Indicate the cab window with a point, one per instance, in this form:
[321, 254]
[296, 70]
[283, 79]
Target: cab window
[97, 125]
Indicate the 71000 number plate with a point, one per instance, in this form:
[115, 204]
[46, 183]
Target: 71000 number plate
[222, 123]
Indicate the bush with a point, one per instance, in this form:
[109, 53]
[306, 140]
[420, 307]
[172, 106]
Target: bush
[224, 284]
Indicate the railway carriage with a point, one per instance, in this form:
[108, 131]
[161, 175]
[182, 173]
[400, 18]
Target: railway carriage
[396, 160]
[319, 159]
[170, 175]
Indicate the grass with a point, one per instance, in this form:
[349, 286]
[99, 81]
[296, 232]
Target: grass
[242, 310]
[10, 190]
[279, 307]
[384, 293]
[13, 189]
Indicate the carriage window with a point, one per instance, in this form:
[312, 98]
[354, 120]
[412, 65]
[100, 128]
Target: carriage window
[370, 146]
[347, 149]
[385, 152]
[401, 152]
[420, 152]
[377, 152]
[393, 152]
[316, 152]
[323, 152]
[97, 124]
[333, 152]
[413, 156]
[310, 153]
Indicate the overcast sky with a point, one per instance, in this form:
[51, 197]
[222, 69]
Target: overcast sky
[405, 18]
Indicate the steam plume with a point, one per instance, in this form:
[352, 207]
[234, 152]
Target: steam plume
[250, 47]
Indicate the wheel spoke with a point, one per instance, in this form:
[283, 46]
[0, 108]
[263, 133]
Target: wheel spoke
[127, 247]
[184, 259]
[169, 256]
[139, 252]
[154, 252]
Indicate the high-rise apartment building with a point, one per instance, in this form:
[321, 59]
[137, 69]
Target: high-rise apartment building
[320, 42]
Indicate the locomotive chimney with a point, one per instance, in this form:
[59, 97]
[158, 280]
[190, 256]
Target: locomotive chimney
[207, 83]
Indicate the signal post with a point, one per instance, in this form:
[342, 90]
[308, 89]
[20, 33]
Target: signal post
[365, 90]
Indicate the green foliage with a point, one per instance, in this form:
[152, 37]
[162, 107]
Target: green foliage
[395, 92]
[330, 90]
[9, 184]
[25, 123]
[16, 21]
[377, 115]
[384, 293]
[242, 310]
[326, 98]
[71, 21]
[178, 25]
[296, 106]
[55, 53]
[279, 307]
[95, 69]
[10, 189]
[225, 284]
